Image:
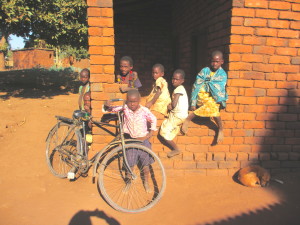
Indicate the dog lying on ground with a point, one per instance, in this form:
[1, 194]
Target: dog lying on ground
[254, 176]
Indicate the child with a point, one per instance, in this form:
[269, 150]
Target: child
[135, 126]
[209, 93]
[128, 76]
[159, 98]
[84, 87]
[178, 112]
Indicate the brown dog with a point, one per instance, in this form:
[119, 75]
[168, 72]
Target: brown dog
[254, 176]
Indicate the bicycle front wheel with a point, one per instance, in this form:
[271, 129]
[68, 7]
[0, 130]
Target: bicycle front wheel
[63, 145]
[132, 194]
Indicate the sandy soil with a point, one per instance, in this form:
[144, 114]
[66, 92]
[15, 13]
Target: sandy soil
[31, 195]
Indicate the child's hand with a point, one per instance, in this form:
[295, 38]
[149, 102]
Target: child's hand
[123, 89]
[170, 107]
[108, 103]
[193, 108]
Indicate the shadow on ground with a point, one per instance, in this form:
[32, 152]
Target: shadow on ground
[84, 218]
[38, 83]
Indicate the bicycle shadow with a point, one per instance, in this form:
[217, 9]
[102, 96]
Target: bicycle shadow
[83, 217]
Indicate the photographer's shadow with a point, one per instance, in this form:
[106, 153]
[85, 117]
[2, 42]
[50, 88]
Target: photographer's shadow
[84, 218]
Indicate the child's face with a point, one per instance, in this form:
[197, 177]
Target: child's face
[156, 73]
[133, 102]
[177, 80]
[125, 67]
[84, 77]
[216, 62]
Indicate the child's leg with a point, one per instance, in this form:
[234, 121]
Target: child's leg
[146, 172]
[220, 134]
[127, 181]
[174, 148]
[185, 124]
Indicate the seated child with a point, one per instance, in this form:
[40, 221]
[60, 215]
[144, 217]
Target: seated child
[209, 93]
[84, 87]
[127, 76]
[159, 98]
[178, 112]
[135, 126]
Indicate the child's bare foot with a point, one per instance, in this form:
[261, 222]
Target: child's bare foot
[146, 186]
[184, 127]
[173, 153]
[220, 136]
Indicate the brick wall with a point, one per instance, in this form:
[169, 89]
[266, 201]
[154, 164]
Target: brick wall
[30, 58]
[261, 43]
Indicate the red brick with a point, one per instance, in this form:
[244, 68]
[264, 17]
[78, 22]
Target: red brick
[91, 11]
[96, 87]
[218, 156]
[201, 156]
[264, 84]
[267, 100]
[289, 15]
[105, 78]
[277, 92]
[283, 155]
[238, 140]
[255, 22]
[107, 12]
[290, 164]
[279, 5]
[263, 132]
[296, 7]
[100, 3]
[242, 132]
[295, 61]
[266, 13]
[230, 156]
[109, 69]
[253, 140]
[184, 165]
[229, 164]
[242, 156]
[240, 48]
[280, 59]
[294, 156]
[255, 92]
[253, 156]
[264, 156]
[108, 32]
[100, 59]
[256, 3]
[219, 148]
[286, 51]
[241, 83]
[294, 43]
[252, 75]
[207, 165]
[255, 108]
[217, 172]
[286, 68]
[186, 139]
[237, 21]
[108, 50]
[96, 69]
[271, 164]
[252, 58]
[94, 40]
[111, 88]
[285, 84]
[288, 101]
[288, 33]
[187, 156]
[242, 30]
[264, 50]
[234, 57]
[254, 124]
[277, 42]
[240, 66]
[295, 25]
[100, 22]
[197, 132]
[288, 117]
[276, 76]
[236, 39]
[245, 100]
[252, 40]
[278, 23]
[95, 31]
[270, 32]
[259, 148]
[243, 12]
[266, 116]
[240, 148]
[244, 116]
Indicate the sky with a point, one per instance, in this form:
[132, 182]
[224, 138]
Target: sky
[16, 42]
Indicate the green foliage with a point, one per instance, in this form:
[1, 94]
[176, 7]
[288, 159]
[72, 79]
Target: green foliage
[58, 22]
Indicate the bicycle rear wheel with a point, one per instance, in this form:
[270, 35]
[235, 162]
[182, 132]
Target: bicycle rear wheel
[63, 145]
[124, 193]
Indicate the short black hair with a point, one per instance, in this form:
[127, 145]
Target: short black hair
[128, 59]
[160, 66]
[181, 72]
[217, 53]
[133, 92]
[85, 70]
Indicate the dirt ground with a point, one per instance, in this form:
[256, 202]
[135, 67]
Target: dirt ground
[30, 194]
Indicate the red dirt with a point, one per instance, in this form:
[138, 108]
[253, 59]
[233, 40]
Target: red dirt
[31, 195]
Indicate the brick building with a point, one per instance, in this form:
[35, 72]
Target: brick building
[260, 39]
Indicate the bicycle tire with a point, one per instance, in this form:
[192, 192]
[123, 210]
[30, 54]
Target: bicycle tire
[58, 154]
[112, 181]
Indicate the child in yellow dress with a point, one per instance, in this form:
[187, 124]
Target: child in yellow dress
[209, 94]
[159, 98]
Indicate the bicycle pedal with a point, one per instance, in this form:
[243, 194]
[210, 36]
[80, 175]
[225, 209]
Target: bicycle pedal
[71, 174]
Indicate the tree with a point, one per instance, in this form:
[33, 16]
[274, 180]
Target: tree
[58, 22]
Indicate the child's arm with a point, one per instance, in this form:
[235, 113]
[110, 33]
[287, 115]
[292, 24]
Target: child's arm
[153, 100]
[108, 106]
[174, 102]
[153, 122]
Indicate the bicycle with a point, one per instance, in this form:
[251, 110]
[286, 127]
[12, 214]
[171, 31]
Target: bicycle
[122, 187]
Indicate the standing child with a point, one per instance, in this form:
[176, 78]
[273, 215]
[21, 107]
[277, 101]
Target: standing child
[178, 112]
[127, 76]
[135, 126]
[159, 98]
[84, 87]
[209, 93]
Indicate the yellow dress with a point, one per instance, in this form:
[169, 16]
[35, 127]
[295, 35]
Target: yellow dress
[207, 104]
[163, 100]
